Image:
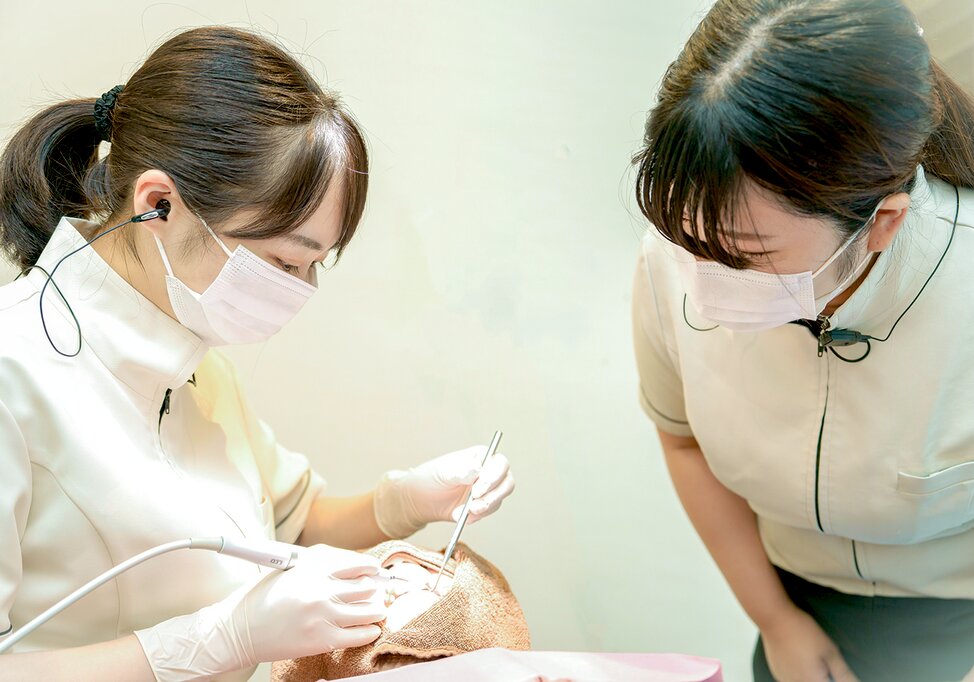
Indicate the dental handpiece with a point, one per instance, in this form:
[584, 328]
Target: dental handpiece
[270, 553]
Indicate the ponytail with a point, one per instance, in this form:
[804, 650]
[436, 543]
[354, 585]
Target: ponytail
[239, 126]
[949, 151]
[42, 177]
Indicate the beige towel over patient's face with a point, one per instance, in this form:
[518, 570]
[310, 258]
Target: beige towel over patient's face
[478, 611]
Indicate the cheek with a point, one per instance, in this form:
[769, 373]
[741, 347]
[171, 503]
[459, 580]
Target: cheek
[789, 260]
[407, 607]
[200, 267]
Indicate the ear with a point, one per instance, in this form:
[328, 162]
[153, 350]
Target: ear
[150, 188]
[892, 212]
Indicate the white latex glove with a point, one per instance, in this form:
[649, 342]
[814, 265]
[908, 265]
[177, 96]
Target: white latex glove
[405, 501]
[327, 602]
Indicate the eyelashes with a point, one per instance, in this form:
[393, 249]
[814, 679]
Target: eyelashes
[295, 269]
[287, 267]
[329, 262]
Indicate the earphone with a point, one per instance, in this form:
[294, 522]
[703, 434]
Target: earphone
[162, 209]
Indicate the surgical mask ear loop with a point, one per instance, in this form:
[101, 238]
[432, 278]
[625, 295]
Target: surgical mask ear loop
[845, 245]
[844, 284]
[161, 211]
[214, 235]
[165, 258]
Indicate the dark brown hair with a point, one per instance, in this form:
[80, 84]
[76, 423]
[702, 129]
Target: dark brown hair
[828, 104]
[232, 118]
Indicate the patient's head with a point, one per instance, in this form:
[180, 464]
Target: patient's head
[473, 608]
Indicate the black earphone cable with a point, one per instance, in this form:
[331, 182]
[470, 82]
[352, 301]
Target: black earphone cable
[160, 212]
[865, 338]
[953, 230]
[690, 324]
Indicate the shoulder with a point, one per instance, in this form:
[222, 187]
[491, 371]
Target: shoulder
[20, 322]
[657, 283]
[217, 371]
[29, 367]
[949, 201]
[14, 296]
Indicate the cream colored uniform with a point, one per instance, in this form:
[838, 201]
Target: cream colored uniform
[94, 469]
[861, 475]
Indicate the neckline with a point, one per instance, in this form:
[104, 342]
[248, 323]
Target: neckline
[138, 343]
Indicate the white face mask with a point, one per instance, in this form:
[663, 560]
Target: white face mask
[749, 300]
[249, 301]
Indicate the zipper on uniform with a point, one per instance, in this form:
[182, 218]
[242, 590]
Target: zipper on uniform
[164, 410]
[855, 560]
[824, 337]
[821, 329]
[824, 333]
[818, 459]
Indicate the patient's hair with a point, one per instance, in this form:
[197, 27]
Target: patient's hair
[829, 104]
[232, 118]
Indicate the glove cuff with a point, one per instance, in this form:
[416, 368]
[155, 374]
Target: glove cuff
[394, 513]
[188, 647]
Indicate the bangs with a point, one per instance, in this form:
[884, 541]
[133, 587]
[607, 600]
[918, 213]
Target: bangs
[690, 183]
[329, 150]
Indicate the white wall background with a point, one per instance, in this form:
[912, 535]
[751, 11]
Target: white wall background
[489, 286]
[948, 26]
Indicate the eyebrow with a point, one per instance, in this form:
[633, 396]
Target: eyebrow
[306, 242]
[749, 237]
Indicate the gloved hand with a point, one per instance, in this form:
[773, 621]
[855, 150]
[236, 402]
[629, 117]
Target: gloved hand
[327, 602]
[405, 501]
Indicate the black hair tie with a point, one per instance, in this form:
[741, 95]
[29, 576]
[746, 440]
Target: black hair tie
[103, 113]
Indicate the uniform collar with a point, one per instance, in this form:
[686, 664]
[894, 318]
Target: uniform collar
[902, 269]
[140, 344]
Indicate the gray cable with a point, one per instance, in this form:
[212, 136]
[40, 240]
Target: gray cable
[270, 553]
[89, 586]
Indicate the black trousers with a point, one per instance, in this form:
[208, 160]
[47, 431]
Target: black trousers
[887, 639]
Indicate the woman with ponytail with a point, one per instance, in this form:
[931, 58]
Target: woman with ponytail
[230, 178]
[804, 331]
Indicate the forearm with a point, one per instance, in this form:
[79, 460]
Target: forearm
[120, 659]
[346, 522]
[728, 528]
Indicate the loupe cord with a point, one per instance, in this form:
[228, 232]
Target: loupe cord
[279, 555]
